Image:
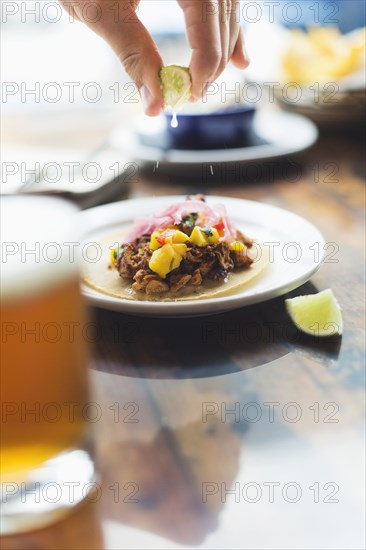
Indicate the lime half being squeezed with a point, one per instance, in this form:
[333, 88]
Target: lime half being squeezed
[176, 84]
[316, 314]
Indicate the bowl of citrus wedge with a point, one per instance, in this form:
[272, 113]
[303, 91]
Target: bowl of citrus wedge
[203, 125]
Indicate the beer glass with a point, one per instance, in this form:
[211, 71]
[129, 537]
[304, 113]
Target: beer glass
[46, 465]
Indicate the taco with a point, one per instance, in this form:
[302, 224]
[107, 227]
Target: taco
[191, 250]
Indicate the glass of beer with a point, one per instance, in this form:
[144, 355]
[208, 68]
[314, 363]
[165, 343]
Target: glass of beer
[46, 462]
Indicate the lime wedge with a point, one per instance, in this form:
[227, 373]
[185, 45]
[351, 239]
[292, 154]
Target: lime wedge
[176, 84]
[316, 314]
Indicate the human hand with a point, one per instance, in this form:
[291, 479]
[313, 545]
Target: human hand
[213, 31]
[215, 35]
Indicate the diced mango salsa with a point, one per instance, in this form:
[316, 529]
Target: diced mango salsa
[237, 246]
[214, 237]
[202, 236]
[198, 237]
[164, 260]
[179, 237]
[169, 235]
[154, 244]
[180, 248]
[113, 256]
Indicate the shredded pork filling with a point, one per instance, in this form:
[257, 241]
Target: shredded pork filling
[212, 262]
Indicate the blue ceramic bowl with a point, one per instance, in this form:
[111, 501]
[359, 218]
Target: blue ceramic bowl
[227, 128]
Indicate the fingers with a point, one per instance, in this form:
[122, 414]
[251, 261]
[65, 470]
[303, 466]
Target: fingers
[213, 31]
[240, 58]
[132, 43]
[235, 27]
[232, 38]
[215, 36]
[224, 20]
[203, 33]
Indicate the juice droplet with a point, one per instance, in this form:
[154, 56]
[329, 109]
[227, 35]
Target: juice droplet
[174, 122]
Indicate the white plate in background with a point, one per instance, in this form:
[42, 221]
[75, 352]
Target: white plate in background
[286, 134]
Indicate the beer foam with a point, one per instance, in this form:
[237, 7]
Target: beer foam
[39, 244]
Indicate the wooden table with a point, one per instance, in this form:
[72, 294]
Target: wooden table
[236, 431]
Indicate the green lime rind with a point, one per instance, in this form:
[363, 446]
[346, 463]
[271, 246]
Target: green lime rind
[316, 314]
[176, 84]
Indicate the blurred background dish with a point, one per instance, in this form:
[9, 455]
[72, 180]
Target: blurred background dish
[273, 134]
[226, 128]
[220, 120]
[330, 68]
[317, 71]
[323, 54]
[348, 110]
[86, 178]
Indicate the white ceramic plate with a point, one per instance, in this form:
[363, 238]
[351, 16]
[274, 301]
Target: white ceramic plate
[297, 252]
[285, 134]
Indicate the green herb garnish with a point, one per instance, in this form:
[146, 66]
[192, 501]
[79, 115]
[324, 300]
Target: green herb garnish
[190, 220]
